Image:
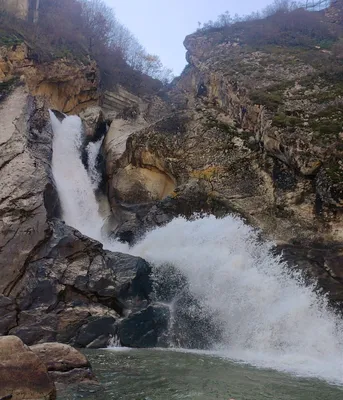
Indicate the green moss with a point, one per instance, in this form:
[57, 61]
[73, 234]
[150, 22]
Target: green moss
[327, 44]
[214, 123]
[9, 40]
[282, 120]
[329, 121]
[327, 127]
[335, 172]
[271, 100]
[272, 97]
[7, 87]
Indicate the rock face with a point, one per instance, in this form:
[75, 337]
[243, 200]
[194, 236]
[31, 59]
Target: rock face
[74, 292]
[256, 130]
[56, 285]
[25, 155]
[64, 363]
[146, 328]
[22, 374]
[68, 86]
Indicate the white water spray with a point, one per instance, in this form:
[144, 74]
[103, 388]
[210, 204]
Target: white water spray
[269, 318]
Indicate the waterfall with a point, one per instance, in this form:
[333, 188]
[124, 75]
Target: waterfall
[268, 316]
[74, 184]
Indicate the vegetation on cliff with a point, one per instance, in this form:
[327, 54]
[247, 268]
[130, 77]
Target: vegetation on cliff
[85, 30]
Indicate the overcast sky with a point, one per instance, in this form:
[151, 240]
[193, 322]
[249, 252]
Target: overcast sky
[161, 25]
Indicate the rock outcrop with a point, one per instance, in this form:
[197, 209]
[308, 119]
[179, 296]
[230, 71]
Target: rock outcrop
[68, 85]
[74, 292]
[65, 364]
[256, 130]
[56, 284]
[22, 374]
[25, 183]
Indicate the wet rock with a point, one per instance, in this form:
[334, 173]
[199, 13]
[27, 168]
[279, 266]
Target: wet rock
[94, 122]
[8, 314]
[64, 363]
[194, 326]
[22, 374]
[97, 333]
[146, 328]
[73, 291]
[320, 264]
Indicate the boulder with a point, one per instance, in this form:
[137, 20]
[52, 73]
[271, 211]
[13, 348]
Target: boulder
[97, 333]
[146, 328]
[22, 374]
[93, 119]
[73, 291]
[64, 363]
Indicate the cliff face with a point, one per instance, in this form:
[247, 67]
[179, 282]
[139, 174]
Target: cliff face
[68, 85]
[252, 131]
[258, 131]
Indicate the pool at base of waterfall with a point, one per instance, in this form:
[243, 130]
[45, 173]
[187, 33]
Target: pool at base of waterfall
[168, 375]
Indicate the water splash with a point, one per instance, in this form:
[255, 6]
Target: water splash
[268, 317]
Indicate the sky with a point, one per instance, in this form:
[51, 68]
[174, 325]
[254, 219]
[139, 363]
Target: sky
[162, 25]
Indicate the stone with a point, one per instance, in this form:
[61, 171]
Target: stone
[146, 328]
[247, 133]
[66, 86]
[22, 374]
[60, 357]
[25, 154]
[64, 363]
[8, 314]
[97, 333]
[72, 291]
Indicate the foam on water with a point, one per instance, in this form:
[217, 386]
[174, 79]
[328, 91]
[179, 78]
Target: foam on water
[268, 316]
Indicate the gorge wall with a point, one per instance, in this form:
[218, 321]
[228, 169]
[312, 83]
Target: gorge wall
[251, 130]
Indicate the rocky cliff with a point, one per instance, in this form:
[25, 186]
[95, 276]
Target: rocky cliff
[251, 129]
[68, 85]
[256, 130]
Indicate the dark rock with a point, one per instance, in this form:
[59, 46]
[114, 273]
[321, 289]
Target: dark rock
[97, 333]
[193, 323]
[71, 283]
[8, 315]
[60, 116]
[194, 326]
[146, 328]
[320, 264]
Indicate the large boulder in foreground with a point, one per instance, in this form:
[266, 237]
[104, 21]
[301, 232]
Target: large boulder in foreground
[22, 374]
[64, 363]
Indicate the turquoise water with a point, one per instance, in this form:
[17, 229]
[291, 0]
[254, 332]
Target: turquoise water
[164, 375]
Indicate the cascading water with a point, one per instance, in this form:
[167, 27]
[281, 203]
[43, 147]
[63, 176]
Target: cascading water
[267, 316]
[75, 185]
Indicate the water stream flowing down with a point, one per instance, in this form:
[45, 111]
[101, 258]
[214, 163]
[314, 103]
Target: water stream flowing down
[268, 317]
